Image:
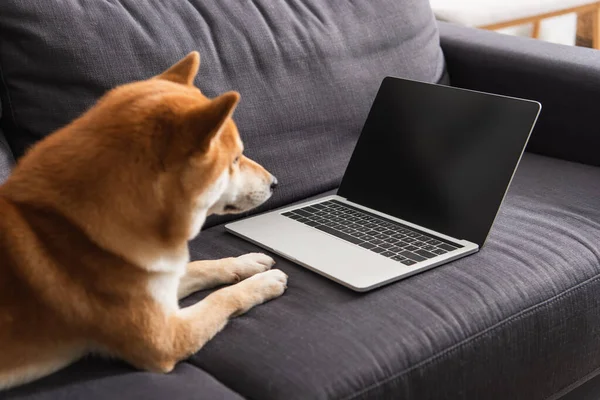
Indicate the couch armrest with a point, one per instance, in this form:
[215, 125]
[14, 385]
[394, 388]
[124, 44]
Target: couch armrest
[565, 79]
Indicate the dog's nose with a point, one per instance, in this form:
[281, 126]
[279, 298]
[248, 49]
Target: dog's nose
[274, 184]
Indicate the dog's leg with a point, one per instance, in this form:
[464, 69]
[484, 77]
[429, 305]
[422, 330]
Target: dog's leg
[164, 342]
[208, 274]
[33, 361]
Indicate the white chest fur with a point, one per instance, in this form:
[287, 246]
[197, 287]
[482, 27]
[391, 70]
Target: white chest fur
[164, 284]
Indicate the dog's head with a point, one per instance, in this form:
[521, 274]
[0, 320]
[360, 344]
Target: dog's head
[205, 147]
[151, 156]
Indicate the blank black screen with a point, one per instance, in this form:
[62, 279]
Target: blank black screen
[438, 156]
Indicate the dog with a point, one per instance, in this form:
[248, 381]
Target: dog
[94, 225]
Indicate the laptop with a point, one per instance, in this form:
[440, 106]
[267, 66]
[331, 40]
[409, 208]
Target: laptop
[422, 188]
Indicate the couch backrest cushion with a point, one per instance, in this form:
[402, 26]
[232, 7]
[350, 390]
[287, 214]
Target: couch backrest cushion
[307, 70]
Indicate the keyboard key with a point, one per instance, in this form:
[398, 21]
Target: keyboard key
[398, 258]
[381, 236]
[434, 242]
[378, 250]
[303, 220]
[425, 253]
[340, 235]
[399, 236]
[411, 248]
[385, 245]
[391, 240]
[446, 247]
[423, 238]
[376, 241]
[396, 249]
[412, 256]
[408, 262]
[312, 223]
[439, 252]
[428, 247]
[347, 230]
[389, 232]
[409, 240]
[367, 245]
[388, 254]
[302, 212]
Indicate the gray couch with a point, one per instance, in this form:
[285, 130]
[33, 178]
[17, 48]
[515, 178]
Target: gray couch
[518, 320]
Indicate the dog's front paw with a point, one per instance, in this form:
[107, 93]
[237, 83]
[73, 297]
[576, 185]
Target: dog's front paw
[251, 264]
[261, 288]
[269, 284]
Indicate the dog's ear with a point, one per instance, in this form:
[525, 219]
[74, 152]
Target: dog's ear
[208, 121]
[184, 71]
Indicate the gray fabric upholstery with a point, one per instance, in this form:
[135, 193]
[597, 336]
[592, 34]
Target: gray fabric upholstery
[6, 159]
[307, 70]
[94, 379]
[518, 320]
[565, 79]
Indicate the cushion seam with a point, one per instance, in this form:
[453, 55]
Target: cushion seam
[475, 337]
[574, 385]
[187, 361]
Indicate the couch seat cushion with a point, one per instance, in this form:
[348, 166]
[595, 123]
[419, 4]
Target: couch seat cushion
[97, 379]
[518, 320]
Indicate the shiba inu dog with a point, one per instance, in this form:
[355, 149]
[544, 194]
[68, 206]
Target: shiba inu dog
[94, 225]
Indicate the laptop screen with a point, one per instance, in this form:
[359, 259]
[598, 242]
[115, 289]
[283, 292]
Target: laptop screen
[438, 156]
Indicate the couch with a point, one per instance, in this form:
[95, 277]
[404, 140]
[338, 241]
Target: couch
[518, 320]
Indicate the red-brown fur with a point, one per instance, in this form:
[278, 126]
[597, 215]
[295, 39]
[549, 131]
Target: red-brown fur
[89, 212]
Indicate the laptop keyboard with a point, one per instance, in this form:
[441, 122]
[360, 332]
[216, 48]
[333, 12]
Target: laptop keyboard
[388, 238]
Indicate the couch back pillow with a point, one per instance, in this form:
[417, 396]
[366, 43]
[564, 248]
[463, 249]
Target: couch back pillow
[307, 70]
